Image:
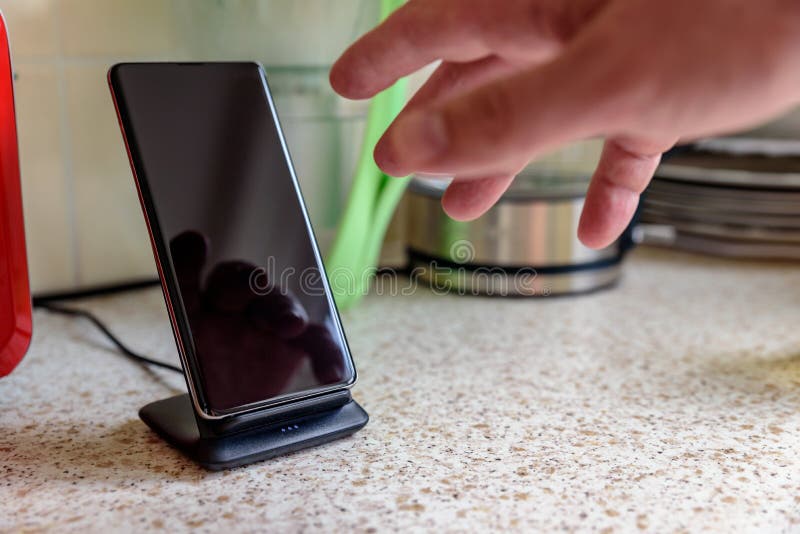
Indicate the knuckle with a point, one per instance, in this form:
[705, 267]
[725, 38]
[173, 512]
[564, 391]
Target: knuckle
[481, 128]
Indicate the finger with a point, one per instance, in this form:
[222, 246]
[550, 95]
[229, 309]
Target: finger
[423, 31]
[481, 132]
[624, 170]
[448, 80]
[465, 200]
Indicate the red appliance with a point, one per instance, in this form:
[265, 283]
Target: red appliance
[15, 298]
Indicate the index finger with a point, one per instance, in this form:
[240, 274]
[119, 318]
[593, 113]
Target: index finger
[413, 36]
[421, 32]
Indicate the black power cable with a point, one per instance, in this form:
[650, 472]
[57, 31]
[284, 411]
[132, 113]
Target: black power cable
[48, 303]
[97, 291]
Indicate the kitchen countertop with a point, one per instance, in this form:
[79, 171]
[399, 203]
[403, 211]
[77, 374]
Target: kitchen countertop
[668, 403]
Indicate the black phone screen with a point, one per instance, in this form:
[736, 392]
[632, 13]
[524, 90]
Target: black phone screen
[244, 279]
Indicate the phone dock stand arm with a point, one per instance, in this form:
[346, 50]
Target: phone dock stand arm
[248, 438]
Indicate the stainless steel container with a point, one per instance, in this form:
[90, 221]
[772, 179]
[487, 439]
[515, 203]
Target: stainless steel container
[526, 245]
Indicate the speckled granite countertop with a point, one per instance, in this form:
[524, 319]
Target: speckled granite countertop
[670, 403]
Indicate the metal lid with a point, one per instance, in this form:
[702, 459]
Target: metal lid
[737, 197]
[737, 162]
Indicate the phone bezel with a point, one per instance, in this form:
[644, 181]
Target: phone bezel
[166, 272]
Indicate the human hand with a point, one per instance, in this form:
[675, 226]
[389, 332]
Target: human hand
[521, 77]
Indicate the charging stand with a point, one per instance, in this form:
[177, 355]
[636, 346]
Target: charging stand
[255, 436]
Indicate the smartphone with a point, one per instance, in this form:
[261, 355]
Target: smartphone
[254, 319]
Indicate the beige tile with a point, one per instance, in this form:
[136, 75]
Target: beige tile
[46, 201]
[275, 32]
[112, 238]
[32, 27]
[115, 28]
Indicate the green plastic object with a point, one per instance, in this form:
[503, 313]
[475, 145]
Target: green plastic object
[353, 258]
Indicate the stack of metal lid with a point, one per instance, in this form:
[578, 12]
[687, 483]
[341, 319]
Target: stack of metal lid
[734, 196]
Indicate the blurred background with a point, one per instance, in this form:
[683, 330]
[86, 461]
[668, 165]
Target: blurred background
[83, 220]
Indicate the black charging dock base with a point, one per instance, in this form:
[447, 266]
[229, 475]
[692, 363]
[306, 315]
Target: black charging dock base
[262, 436]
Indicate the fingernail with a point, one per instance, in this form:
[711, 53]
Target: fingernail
[420, 138]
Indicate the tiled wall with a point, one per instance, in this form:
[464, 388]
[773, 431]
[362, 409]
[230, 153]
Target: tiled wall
[83, 221]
